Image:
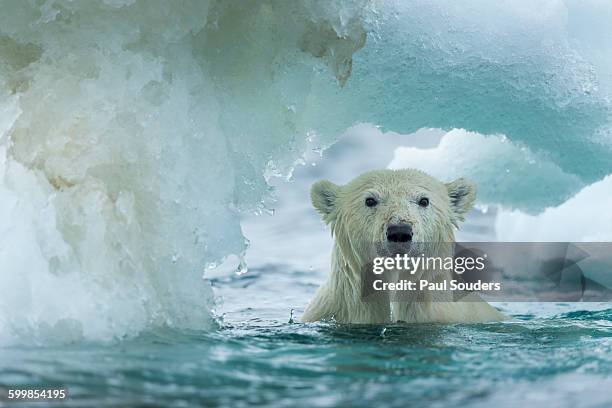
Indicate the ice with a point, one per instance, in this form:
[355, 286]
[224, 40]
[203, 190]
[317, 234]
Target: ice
[537, 72]
[132, 135]
[585, 217]
[506, 173]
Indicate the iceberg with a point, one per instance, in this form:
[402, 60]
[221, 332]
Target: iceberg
[537, 73]
[133, 134]
[506, 173]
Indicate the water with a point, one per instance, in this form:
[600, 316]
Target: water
[257, 357]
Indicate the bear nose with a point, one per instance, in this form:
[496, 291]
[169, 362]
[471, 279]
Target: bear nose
[399, 233]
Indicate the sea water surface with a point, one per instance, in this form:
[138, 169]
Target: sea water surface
[259, 354]
[556, 355]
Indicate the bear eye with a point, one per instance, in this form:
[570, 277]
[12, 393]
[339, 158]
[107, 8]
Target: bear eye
[370, 202]
[424, 202]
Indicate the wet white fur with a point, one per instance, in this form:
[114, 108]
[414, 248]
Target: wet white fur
[357, 228]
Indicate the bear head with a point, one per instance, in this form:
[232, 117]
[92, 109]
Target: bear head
[385, 212]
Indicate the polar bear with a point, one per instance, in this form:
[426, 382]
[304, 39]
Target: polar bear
[387, 208]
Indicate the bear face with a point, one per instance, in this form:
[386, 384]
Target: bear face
[385, 212]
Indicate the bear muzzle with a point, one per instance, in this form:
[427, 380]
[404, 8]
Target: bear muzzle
[399, 233]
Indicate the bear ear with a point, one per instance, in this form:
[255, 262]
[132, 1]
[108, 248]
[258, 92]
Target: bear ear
[324, 194]
[462, 194]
